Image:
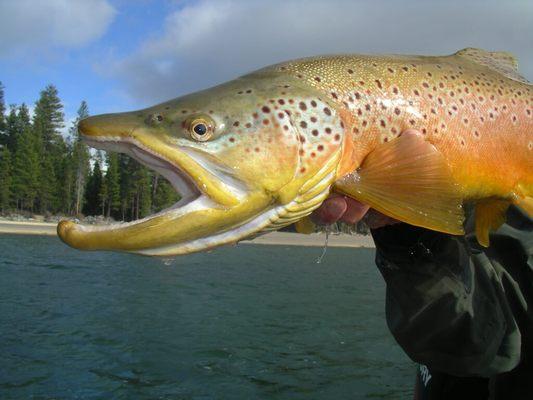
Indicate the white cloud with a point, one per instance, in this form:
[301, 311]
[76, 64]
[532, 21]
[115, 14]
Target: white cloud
[29, 26]
[210, 41]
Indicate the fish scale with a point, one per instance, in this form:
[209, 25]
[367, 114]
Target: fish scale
[275, 143]
[471, 113]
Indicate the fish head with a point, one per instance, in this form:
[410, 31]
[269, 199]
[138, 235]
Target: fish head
[245, 158]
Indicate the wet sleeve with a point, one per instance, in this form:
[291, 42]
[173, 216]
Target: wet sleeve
[441, 303]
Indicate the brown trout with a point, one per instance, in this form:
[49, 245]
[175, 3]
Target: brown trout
[264, 150]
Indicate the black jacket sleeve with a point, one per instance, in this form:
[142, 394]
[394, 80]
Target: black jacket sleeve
[448, 300]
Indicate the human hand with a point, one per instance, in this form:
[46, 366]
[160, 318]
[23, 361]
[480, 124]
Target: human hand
[345, 209]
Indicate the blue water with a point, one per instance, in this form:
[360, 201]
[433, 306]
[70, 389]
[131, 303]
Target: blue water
[247, 322]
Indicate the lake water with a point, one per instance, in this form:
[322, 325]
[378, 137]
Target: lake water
[246, 322]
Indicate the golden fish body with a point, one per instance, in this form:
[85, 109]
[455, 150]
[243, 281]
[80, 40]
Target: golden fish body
[265, 150]
[480, 119]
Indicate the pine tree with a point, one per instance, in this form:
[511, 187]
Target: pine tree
[80, 160]
[47, 121]
[163, 194]
[17, 121]
[143, 192]
[25, 171]
[48, 118]
[6, 180]
[2, 115]
[112, 180]
[11, 131]
[94, 190]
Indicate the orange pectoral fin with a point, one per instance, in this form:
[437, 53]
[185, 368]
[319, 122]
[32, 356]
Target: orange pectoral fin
[408, 179]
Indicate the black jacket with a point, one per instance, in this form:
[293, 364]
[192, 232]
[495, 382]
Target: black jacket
[457, 307]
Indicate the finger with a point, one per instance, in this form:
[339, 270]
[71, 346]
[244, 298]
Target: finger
[355, 211]
[330, 211]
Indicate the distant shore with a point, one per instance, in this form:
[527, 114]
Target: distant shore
[274, 238]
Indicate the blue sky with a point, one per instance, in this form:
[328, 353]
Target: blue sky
[120, 55]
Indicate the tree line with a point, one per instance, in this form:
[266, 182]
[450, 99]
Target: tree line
[44, 172]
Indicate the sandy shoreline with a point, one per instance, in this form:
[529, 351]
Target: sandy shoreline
[274, 238]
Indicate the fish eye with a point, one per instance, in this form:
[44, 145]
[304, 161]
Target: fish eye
[200, 130]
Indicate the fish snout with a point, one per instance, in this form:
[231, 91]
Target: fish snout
[117, 126]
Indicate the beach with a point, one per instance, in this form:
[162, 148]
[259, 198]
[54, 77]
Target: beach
[273, 238]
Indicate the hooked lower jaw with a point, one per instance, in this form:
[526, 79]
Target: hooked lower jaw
[195, 222]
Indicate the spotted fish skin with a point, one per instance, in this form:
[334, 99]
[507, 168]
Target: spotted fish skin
[478, 118]
[276, 142]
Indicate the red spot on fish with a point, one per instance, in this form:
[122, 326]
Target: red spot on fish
[320, 147]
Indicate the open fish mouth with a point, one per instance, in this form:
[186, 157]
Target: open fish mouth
[182, 183]
[213, 207]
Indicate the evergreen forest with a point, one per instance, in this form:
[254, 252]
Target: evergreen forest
[43, 171]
